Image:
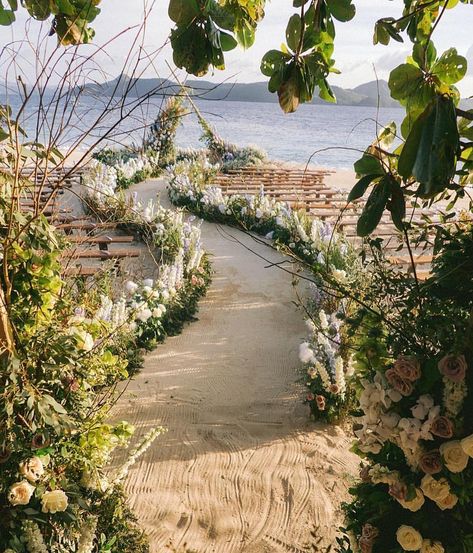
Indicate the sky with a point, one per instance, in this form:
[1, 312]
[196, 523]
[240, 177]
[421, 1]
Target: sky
[355, 54]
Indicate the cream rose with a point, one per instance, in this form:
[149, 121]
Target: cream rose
[54, 502]
[447, 502]
[415, 503]
[454, 457]
[409, 538]
[467, 445]
[430, 546]
[436, 490]
[32, 469]
[20, 493]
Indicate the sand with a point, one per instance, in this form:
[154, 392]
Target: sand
[242, 468]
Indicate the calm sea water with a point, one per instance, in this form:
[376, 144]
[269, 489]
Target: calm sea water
[332, 135]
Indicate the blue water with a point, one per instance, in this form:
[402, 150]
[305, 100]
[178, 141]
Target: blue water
[331, 136]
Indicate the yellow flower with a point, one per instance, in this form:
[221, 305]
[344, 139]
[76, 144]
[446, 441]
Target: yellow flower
[409, 538]
[447, 502]
[20, 493]
[436, 490]
[414, 504]
[454, 457]
[430, 546]
[54, 502]
[467, 445]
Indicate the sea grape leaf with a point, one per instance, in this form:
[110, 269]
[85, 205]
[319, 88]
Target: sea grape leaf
[450, 67]
[404, 81]
[289, 91]
[374, 207]
[272, 61]
[227, 41]
[343, 10]
[294, 32]
[183, 12]
[6, 16]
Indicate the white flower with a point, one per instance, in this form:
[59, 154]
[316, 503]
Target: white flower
[144, 315]
[131, 287]
[148, 282]
[436, 490]
[54, 502]
[414, 504]
[454, 457]
[409, 538]
[32, 469]
[20, 493]
[306, 355]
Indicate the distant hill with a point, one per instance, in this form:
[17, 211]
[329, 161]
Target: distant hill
[363, 95]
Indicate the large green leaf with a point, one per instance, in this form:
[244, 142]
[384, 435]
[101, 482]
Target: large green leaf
[361, 187]
[430, 151]
[368, 165]
[374, 207]
[6, 16]
[343, 10]
[290, 90]
[272, 61]
[183, 11]
[294, 32]
[397, 204]
[450, 67]
[404, 81]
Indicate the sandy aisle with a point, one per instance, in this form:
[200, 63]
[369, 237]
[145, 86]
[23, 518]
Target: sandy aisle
[242, 469]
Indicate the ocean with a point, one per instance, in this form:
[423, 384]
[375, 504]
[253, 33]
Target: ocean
[327, 135]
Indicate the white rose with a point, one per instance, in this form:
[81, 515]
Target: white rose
[54, 502]
[447, 502]
[144, 315]
[147, 290]
[414, 504]
[131, 287]
[157, 313]
[454, 457]
[467, 445]
[436, 490]
[32, 469]
[409, 538]
[430, 546]
[20, 493]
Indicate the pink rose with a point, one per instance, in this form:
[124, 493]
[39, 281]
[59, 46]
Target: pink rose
[320, 400]
[453, 367]
[334, 389]
[365, 474]
[431, 462]
[398, 490]
[408, 368]
[404, 387]
[442, 427]
[310, 397]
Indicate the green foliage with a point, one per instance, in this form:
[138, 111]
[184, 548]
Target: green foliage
[70, 18]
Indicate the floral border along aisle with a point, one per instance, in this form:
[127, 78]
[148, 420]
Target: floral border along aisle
[330, 258]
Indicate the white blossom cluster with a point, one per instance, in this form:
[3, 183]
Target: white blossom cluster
[136, 453]
[321, 353]
[380, 422]
[87, 536]
[33, 537]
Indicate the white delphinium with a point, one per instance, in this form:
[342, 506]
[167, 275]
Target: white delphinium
[134, 455]
[306, 354]
[34, 537]
[87, 537]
